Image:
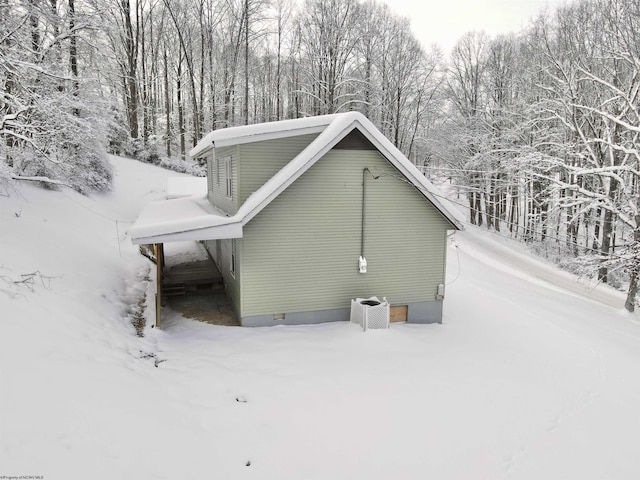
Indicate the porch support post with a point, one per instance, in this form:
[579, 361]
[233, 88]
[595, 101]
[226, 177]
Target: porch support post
[158, 250]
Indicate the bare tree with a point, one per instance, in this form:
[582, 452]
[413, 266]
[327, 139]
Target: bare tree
[328, 42]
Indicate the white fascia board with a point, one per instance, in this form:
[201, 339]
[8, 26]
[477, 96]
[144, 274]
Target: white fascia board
[219, 232]
[202, 146]
[269, 136]
[208, 143]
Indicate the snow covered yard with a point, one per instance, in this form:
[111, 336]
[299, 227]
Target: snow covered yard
[526, 379]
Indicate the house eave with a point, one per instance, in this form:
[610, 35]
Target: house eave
[219, 232]
[269, 136]
[183, 219]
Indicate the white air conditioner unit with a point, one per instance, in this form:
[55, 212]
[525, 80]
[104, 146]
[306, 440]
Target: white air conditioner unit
[370, 313]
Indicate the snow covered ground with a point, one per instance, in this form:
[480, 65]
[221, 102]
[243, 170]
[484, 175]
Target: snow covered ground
[528, 377]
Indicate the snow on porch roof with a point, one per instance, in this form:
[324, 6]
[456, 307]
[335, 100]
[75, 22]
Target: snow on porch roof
[178, 187]
[181, 219]
[195, 219]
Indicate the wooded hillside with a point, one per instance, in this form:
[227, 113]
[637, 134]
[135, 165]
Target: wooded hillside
[536, 131]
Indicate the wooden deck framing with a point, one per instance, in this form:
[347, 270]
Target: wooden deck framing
[194, 274]
[158, 251]
[182, 278]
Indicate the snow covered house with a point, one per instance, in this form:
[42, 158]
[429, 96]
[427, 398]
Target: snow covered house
[303, 215]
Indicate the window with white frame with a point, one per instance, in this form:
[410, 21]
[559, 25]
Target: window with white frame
[210, 175]
[228, 175]
[217, 166]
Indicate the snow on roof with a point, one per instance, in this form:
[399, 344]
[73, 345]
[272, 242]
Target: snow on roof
[190, 218]
[341, 125]
[207, 223]
[262, 131]
[178, 187]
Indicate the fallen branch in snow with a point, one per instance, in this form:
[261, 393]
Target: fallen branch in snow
[12, 290]
[41, 277]
[48, 180]
[156, 361]
[28, 280]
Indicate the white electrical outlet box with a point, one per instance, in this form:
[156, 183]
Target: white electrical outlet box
[362, 265]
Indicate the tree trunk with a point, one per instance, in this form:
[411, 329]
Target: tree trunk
[634, 273]
[180, 109]
[596, 230]
[607, 231]
[512, 213]
[478, 208]
[144, 80]
[246, 62]
[472, 208]
[212, 86]
[73, 54]
[279, 66]
[131, 49]
[167, 104]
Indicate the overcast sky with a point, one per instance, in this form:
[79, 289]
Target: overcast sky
[445, 21]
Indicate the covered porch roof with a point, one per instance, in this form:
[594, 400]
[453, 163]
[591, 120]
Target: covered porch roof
[182, 219]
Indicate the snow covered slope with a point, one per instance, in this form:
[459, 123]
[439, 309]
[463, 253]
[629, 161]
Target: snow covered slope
[528, 378]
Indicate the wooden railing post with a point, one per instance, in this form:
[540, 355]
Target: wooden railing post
[158, 250]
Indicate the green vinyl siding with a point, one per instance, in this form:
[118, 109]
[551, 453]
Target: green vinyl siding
[220, 251]
[217, 179]
[301, 252]
[262, 160]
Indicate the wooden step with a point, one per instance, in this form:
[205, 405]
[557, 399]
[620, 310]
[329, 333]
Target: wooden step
[174, 290]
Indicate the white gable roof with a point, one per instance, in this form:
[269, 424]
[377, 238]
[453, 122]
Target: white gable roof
[261, 131]
[153, 227]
